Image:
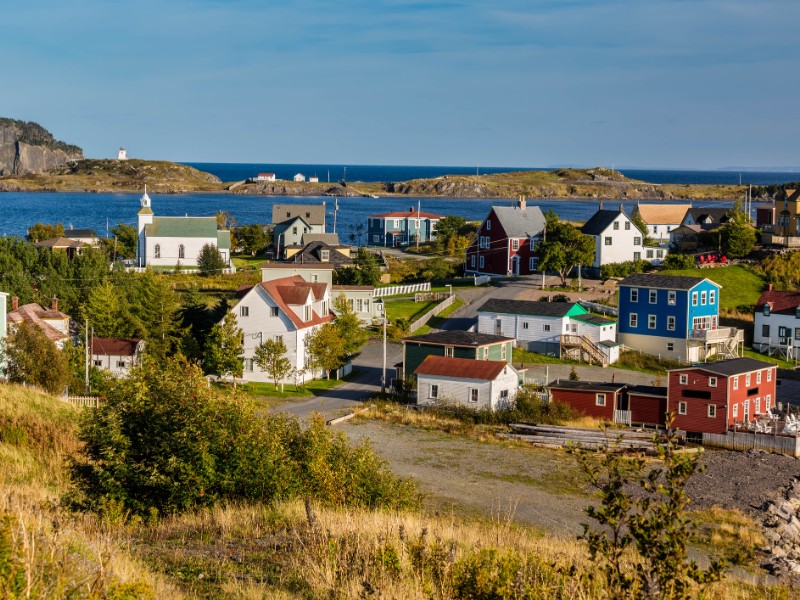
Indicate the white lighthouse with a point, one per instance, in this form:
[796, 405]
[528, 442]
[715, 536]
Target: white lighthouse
[123, 154]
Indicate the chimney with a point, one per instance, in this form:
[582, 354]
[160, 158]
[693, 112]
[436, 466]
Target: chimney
[521, 202]
[54, 304]
[769, 289]
[601, 205]
[14, 302]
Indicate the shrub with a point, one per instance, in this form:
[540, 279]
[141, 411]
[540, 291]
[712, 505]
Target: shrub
[678, 262]
[624, 269]
[210, 261]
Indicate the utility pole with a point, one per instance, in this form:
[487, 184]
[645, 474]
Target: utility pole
[383, 377]
[86, 354]
[335, 211]
[544, 239]
[418, 233]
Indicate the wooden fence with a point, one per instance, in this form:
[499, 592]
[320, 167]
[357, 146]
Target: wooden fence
[397, 290]
[85, 401]
[742, 440]
[431, 313]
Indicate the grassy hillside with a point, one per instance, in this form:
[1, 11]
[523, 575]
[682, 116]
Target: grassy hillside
[115, 176]
[741, 286]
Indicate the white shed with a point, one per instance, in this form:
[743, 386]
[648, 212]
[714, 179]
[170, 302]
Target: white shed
[477, 384]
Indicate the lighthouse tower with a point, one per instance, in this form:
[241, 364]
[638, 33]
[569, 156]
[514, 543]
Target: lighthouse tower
[123, 154]
[145, 218]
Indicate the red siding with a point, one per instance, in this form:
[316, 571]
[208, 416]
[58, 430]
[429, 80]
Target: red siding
[585, 401]
[497, 259]
[647, 409]
[759, 391]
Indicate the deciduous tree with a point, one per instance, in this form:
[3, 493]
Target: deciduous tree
[271, 358]
[32, 359]
[44, 231]
[326, 349]
[349, 328]
[564, 248]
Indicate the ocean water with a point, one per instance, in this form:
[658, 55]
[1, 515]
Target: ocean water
[371, 173]
[103, 211]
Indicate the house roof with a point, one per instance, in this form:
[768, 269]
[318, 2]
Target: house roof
[530, 307]
[297, 266]
[192, 227]
[314, 214]
[36, 315]
[520, 222]
[458, 338]
[114, 347]
[589, 386]
[648, 390]
[80, 233]
[734, 366]
[60, 242]
[312, 253]
[461, 368]
[664, 282]
[601, 220]
[715, 215]
[656, 214]
[595, 320]
[410, 214]
[332, 239]
[295, 290]
[780, 302]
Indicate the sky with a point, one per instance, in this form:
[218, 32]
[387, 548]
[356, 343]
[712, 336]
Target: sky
[700, 84]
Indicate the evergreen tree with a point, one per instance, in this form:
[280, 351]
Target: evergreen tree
[210, 261]
[637, 220]
[737, 236]
[108, 313]
[197, 319]
[270, 356]
[224, 349]
[155, 308]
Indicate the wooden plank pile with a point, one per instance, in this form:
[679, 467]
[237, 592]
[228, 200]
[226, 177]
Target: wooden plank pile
[555, 436]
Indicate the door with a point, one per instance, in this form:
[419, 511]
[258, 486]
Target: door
[515, 264]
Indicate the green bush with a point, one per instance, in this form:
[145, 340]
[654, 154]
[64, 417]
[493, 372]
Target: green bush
[677, 262]
[624, 269]
[165, 441]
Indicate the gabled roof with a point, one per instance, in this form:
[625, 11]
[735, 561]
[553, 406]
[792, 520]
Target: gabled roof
[520, 222]
[281, 226]
[655, 391]
[312, 253]
[313, 214]
[734, 366]
[295, 290]
[79, 233]
[332, 239]
[601, 220]
[595, 320]
[589, 386]
[60, 242]
[462, 368]
[114, 347]
[664, 282]
[409, 214]
[194, 227]
[36, 315]
[780, 302]
[714, 215]
[458, 338]
[662, 214]
[530, 307]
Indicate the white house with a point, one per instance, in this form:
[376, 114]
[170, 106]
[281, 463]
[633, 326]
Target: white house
[290, 233]
[289, 308]
[661, 218]
[299, 177]
[52, 322]
[313, 179]
[313, 273]
[552, 328]
[168, 241]
[777, 323]
[362, 301]
[265, 177]
[618, 239]
[477, 384]
[116, 355]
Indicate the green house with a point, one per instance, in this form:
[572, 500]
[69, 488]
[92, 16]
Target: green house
[457, 344]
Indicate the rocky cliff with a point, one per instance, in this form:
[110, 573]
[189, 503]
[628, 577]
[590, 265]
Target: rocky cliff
[27, 147]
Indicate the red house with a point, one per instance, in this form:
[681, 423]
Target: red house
[506, 241]
[592, 398]
[712, 397]
[648, 404]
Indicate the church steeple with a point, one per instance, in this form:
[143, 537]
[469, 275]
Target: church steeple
[144, 202]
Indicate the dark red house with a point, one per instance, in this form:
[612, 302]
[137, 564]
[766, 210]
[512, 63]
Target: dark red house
[591, 398]
[712, 397]
[506, 240]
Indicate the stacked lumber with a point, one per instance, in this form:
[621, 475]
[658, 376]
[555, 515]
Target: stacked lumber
[554, 436]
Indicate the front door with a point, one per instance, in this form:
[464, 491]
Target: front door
[515, 264]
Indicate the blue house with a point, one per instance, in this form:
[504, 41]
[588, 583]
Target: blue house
[674, 317]
[401, 228]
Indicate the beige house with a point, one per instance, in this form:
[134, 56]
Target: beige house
[661, 219]
[52, 322]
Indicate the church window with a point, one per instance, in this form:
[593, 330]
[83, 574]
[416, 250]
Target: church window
[157, 251]
[181, 251]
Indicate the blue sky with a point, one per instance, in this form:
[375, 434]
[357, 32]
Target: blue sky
[647, 83]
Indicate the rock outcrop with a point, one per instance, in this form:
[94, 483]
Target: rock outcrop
[782, 525]
[29, 148]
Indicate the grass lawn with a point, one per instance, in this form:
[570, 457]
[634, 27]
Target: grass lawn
[407, 309]
[248, 262]
[267, 391]
[518, 355]
[740, 285]
[775, 360]
[436, 322]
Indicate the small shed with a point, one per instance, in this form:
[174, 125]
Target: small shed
[648, 404]
[476, 384]
[299, 177]
[592, 398]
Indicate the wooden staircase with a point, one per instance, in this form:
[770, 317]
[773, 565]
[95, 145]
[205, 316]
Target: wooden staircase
[579, 347]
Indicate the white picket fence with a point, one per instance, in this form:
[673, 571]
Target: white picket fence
[482, 279]
[602, 309]
[83, 401]
[398, 290]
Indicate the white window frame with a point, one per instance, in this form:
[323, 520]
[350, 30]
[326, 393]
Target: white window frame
[480, 262]
[758, 405]
[670, 323]
[694, 298]
[633, 320]
[449, 351]
[634, 294]
[653, 296]
[712, 382]
[627, 225]
[758, 377]
[546, 327]
[672, 297]
[503, 352]
[683, 379]
[274, 311]
[515, 244]
[703, 298]
[307, 314]
[488, 225]
[735, 410]
[682, 407]
[433, 391]
[244, 311]
[600, 399]
[736, 382]
[532, 263]
[712, 411]
[670, 346]
[747, 380]
[473, 396]
[712, 297]
[325, 255]
[652, 321]
[767, 402]
[769, 375]
[472, 261]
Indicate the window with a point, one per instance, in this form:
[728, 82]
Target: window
[472, 261]
[747, 380]
[659, 254]
[633, 320]
[98, 363]
[769, 374]
[670, 323]
[314, 278]
[712, 296]
[797, 313]
[765, 331]
[448, 351]
[797, 333]
[703, 298]
[433, 392]
[684, 379]
[525, 325]
[248, 365]
[712, 411]
[649, 254]
[244, 311]
[294, 230]
[480, 263]
[157, 251]
[735, 410]
[273, 311]
[532, 263]
[758, 406]
[608, 241]
[634, 294]
[627, 225]
[766, 310]
[712, 382]
[651, 321]
[767, 402]
[396, 224]
[488, 225]
[758, 377]
[670, 346]
[376, 238]
[600, 400]
[306, 313]
[503, 352]
[473, 394]
[504, 395]
[736, 383]
[637, 256]
[325, 255]
[181, 251]
[637, 241]
[681, 408]
[278, 338]
[694, 298]
[547, 327]
[672, 298]
[653, 296]
[616, 225]
[655, 228]
[701, 323]
[515, 244]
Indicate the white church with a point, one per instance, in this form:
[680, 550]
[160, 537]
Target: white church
[169, 241]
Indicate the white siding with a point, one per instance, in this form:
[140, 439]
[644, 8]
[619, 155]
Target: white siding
[169, 250]
[456, 390]
[596, 333]
[775, 322]
[514, 326]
